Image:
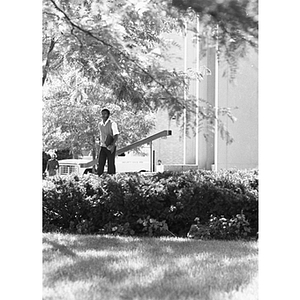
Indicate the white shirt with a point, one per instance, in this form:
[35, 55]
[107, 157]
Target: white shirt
[160, 168]
[114, 128]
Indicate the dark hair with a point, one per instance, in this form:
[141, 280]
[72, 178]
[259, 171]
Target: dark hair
[105, 109]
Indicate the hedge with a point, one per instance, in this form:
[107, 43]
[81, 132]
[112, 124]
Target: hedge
[137, 204]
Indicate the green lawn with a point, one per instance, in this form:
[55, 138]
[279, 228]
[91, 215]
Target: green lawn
[111, 267]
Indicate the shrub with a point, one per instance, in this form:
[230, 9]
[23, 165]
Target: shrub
[171, 200]
[117, 229]
[199, 231]
[153, 227]
[221, 228]
[234, 228]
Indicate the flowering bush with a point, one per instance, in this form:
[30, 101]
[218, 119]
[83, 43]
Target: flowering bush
[221, 228]
[117, 229]
[199, 231]
[153, 227]
[122, 203]
[233, 228]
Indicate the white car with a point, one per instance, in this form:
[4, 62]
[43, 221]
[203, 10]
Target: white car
[81, 166]
[73, 166]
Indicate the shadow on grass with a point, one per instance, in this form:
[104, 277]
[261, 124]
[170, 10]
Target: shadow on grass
[165, 264]
[62, 248]
[180, 245]
[153, 247]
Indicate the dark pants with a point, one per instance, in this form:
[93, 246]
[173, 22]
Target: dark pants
[104, 155]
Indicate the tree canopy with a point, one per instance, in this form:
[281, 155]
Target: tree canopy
[99, 52]
[234, 23]
[114, 44]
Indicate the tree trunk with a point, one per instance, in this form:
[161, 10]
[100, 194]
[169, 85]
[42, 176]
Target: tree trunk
[46, 66]
[94, 152]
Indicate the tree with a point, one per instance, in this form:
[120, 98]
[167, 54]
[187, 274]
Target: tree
[114, 49]
[95, 54]
[234, 23]
[72, 111]
[236, 19]
[125, 34]
[119, 44]
[113, 44]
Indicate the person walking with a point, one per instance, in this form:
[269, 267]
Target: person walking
[109, 134]
[52, 165]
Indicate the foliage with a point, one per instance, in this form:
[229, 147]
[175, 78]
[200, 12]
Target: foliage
[115, 46]
[153, 227]
[73, 123]
[234, 23]
[95, 55]
[114, 43]
[222, 228]
[166, 203]
[199, 231]
[97, 52]
[117, 229]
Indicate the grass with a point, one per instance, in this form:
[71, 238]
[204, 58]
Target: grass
[112, 267]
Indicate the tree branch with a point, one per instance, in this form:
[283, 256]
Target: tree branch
[78, 27]
[45, 69]
[112, 47]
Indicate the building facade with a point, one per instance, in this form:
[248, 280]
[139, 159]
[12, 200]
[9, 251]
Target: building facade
[193, 144]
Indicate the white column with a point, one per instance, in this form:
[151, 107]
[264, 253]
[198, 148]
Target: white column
[197, 91]
[184, 93]
[151, 157]
[216, 102]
